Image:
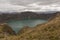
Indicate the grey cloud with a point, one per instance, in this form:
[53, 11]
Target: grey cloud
[21, 5]
[4, 1]
[25, 2]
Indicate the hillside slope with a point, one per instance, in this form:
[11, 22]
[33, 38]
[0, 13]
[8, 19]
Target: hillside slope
[47, 31]
[6, 30]
[24, 29]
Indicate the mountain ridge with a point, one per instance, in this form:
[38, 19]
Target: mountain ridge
[5, 17]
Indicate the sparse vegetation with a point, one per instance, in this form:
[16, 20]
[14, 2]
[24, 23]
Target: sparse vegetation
[47, 31]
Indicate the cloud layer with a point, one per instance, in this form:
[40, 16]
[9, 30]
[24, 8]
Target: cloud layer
[43, 8]
[29, 5]
[11, 8]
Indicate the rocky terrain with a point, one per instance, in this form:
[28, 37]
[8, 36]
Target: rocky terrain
[46, 31]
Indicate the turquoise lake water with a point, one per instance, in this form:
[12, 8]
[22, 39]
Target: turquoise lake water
[18, 24]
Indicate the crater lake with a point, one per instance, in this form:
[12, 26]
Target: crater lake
[19, 24]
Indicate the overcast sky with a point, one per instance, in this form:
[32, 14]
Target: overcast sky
[29, 5]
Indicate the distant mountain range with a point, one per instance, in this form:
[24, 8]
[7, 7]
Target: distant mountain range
[4, 17]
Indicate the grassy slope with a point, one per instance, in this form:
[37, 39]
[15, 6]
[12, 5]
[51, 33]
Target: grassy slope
[5, 30]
